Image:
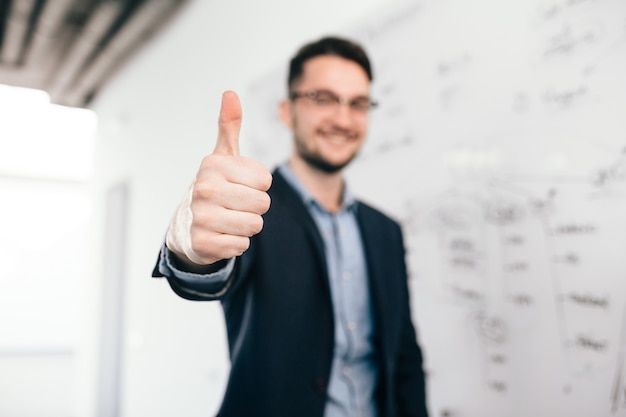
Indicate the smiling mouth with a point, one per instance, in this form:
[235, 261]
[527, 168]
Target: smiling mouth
[337, 138]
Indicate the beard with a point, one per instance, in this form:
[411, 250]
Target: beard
[315, 160]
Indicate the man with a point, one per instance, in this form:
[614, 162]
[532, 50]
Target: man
[314, 289]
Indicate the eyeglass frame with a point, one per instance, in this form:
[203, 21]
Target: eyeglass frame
[335, 100]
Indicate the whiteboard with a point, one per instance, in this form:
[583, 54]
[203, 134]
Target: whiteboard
[500, 145]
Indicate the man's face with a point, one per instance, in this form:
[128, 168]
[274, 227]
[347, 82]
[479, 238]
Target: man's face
[328, 133]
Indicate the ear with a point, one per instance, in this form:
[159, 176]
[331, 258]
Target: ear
[285, 113]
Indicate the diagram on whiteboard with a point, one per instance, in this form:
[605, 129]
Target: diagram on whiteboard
[500, 146]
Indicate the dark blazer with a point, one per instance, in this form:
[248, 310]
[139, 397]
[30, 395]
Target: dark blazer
[279, 316]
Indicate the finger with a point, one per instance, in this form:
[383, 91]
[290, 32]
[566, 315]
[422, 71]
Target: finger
[231, 196]
[241, 170]
[222, 246]
[229, 123]
[228, 222]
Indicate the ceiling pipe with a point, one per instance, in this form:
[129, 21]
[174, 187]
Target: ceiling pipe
[133, 35]
[61, 78]
[15, 32]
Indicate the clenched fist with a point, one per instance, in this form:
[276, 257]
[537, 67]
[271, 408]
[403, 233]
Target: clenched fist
[224, 206]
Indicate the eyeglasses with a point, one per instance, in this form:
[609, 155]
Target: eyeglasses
[325, 99]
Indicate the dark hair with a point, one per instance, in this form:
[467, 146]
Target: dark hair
[328, 46]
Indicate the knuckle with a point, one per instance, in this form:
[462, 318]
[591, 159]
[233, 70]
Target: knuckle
[204, 190]
[200, 218]
[206, 161]
[210, 162]
[197, 243]
[201, 188]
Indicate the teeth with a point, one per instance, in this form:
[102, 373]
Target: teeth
[336, 138]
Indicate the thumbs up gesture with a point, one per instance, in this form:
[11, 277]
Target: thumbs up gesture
[223, 208]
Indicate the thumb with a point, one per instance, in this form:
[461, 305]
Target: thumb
[229, 123]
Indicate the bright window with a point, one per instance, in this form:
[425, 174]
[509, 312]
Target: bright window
[45, 165]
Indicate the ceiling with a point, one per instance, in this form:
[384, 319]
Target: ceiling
[71, 48]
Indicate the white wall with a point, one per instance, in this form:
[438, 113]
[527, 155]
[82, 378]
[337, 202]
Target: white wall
[156, 121]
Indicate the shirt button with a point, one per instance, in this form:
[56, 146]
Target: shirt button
[351, 325]
[346, 370]
[347, 276]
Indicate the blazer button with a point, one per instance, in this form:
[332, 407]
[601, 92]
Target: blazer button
[320, 385]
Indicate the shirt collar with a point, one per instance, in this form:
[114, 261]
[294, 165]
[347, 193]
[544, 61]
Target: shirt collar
[348, 200]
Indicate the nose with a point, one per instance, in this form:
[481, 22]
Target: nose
[342, 115]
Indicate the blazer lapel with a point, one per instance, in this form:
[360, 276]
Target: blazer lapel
[299, 211]
[375, 255]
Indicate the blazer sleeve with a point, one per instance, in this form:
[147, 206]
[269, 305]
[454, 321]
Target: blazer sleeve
[196, 287]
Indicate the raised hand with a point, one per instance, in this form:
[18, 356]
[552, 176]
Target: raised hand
[224, 206]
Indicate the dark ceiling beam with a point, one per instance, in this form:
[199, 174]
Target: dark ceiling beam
[39, 57]
[76, 43]
[15, 31]
[128, 40]
[5, 8]
[33, 19]
[71, 48]
[127, 11]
